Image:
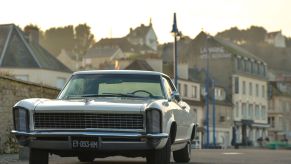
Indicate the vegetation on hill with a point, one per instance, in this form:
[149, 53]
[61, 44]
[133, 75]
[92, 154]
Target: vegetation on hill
[70, 38]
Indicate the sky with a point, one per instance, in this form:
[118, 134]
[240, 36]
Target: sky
[113, 18]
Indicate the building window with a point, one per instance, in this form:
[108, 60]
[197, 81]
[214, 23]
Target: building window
[257, 90]
[185, 90]
[263, 91]
[244, 110]
[179, 87]
[244, 87]
[257, 112]
[236, 109]
[237, 64]
[251, 114]
[255, 68]
[250, 89]
[249, 66]
[271, 122]
[194, 91]
[60, 82]
[262, 69]
[236, 85]
[263, 112]
[242, 64]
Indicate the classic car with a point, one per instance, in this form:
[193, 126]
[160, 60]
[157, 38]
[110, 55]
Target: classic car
[105, 113]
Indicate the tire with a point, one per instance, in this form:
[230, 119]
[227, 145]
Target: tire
[86, 158]
[183, 155]
[160, 156]
[38, 156]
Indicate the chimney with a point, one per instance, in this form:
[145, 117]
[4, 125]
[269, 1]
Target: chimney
[32, 34]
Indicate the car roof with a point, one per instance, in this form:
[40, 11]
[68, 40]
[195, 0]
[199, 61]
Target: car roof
[140, 72]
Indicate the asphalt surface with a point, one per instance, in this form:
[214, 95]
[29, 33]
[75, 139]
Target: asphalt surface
[205, 156]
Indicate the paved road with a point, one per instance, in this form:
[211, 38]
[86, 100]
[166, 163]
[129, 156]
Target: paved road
[229, 156]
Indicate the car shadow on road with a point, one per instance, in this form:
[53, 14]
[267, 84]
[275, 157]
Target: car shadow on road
[134, 162]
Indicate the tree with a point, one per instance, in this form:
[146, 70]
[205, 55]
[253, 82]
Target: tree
[84, 39]
[59, 38]
[27, 29]
[254, 34]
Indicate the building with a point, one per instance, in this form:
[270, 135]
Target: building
[139, 41]
[190, 92]
[279, 112]
[276, 39]
[71, 60]
[242, 75]
[23, 57]
[96, 56]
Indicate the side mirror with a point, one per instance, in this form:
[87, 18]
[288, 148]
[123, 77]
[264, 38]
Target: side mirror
[176, 96]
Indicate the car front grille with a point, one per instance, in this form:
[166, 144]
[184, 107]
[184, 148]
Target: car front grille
[87, 120]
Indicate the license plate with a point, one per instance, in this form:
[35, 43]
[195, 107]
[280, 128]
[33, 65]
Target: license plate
[84, 144]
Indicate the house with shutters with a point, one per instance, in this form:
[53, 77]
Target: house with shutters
[23, 57]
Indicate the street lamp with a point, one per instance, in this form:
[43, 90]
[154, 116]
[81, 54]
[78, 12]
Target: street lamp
[176, 33]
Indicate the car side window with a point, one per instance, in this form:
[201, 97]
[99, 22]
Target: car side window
[168, 87]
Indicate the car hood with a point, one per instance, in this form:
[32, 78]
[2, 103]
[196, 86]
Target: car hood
[100, 105]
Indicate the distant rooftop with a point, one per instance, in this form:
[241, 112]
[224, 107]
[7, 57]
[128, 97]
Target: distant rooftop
[17, 51]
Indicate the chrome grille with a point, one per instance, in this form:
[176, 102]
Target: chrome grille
[87, 120]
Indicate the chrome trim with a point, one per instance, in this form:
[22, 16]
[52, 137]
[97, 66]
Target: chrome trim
[97, 134]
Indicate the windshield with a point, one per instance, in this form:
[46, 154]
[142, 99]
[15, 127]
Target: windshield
[113, 85]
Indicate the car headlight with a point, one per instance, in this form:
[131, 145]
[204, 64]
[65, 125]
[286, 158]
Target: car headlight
[153, 121]
[20, 116]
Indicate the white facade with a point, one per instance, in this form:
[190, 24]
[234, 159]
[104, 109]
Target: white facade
[250, 105]
[276, 39]
[40, 76]
[151, 39]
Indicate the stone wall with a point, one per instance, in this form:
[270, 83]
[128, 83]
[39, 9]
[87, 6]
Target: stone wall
[11, 91]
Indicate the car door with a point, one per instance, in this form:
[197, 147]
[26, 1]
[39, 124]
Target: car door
[175, 109]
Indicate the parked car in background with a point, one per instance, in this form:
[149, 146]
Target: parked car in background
[106, 113]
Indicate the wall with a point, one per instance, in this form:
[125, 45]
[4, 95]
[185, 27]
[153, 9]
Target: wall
[11, 91]
[42, 76]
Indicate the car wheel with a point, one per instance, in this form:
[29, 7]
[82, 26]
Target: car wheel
[86, 158]
[160, 156]
[183, 155]
[38, 156]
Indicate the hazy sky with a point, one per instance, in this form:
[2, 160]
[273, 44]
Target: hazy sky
[115, 17]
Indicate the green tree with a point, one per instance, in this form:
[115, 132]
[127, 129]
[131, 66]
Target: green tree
[27, 29]
[84, 39]
[254, 34]
[59, 38]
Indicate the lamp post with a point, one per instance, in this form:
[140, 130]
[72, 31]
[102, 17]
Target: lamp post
[207, 92]
[213, 114]
[176, 33]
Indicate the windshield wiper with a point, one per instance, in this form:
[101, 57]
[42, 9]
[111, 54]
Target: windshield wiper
[104, 95]
[120, 95]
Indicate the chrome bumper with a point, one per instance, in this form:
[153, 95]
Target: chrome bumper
[148, 141]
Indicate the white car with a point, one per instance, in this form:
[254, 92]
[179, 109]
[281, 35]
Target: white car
[106, 113]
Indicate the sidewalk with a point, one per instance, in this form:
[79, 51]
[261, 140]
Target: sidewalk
[8, 158]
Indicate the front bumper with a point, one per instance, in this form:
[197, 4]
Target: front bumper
[109, 141]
